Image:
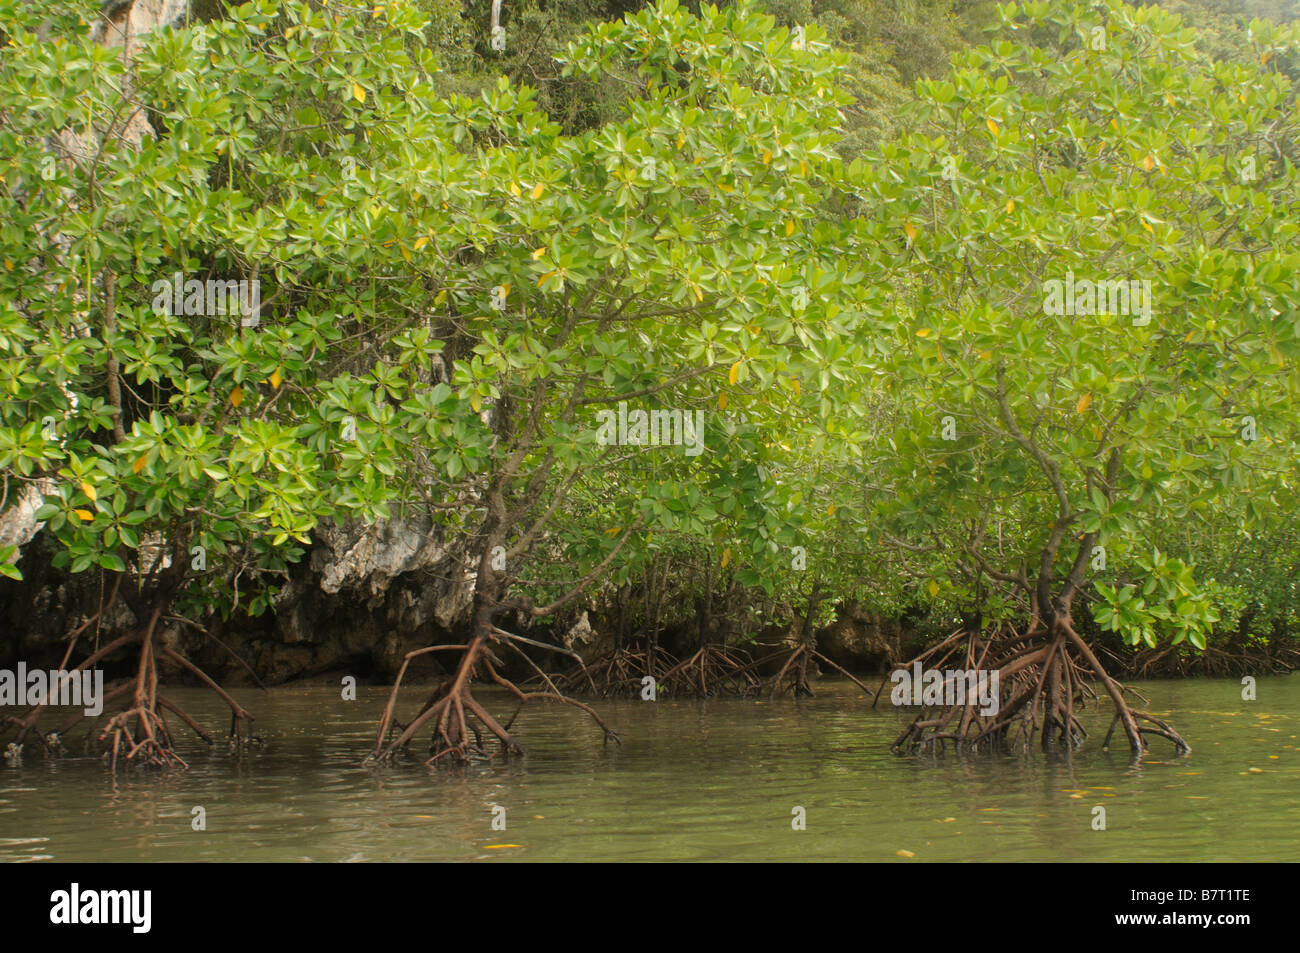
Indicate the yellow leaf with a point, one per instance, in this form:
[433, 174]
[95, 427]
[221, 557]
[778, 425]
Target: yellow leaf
[1084, 402]
[830, 509]
[910, 230]
[320, 202]
[504, 290]
[993, 127]
[612, 531]
[358, 93]
[699, 295]
[476, 402]
[539, 252]
[933, 588]
[1147, 226]
[514, 189]
[84, 515]
[538, 189]
[421, 242]
[904, 853]
[276, 379]
[803, 167]
[500, 846]
[89, 490]
[1265, 56]
[376, 11]
[542, 280]
[440, 297]
[734, 374]
[139, 464]
[985, 355]
[789, 227]
[681, 140]
[767, 157]
[798, 388]
[237, 396]
[1149, 163]
[923, 332]
[726, 557]
[722, 401]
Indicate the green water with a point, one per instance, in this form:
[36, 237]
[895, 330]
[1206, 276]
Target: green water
[714, 780]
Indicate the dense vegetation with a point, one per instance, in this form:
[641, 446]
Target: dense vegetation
[847, 260]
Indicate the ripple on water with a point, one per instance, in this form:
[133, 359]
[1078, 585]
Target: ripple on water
[717, 780]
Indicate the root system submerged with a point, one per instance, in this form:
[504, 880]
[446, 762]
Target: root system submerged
[138, 734]
[1043, 681]
[457, 715]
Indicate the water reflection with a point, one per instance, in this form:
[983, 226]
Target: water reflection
[712, 780]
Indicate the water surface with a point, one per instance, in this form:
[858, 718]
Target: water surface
[693, 780]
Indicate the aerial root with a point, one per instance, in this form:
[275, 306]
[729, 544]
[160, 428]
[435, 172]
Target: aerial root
[457, 715]
[618, 674]
[139, 734]
[1042, 682]
[712, 670]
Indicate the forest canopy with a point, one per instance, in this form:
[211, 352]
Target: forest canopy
[707, 316]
